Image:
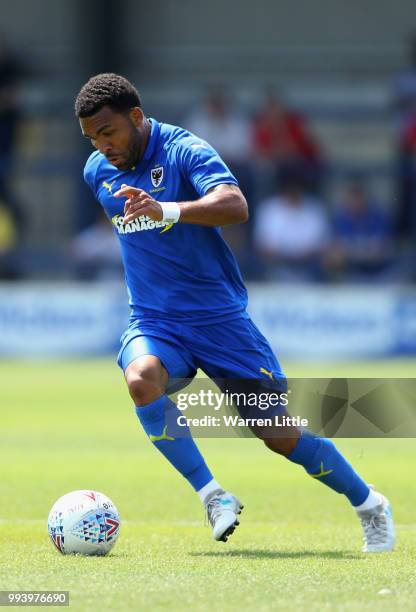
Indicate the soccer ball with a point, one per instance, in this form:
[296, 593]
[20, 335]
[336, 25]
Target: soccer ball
[84, 522]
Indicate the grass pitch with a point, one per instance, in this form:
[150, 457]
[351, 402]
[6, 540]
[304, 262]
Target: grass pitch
[70, 425]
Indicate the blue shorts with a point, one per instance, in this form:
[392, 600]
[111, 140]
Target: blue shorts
[232, 349]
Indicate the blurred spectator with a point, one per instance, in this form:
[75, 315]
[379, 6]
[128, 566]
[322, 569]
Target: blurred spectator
[224, 126]
[291, 233]
[8, 262]
[363, 246]
[406, 210]
[405, 84]
[282, 137]
[227, 129]
[405, 105]
[10, 74]
[95, 252]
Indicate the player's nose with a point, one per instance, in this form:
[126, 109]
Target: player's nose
[106, 150]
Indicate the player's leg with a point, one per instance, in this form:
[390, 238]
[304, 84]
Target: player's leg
[247, 354]
[147, 381]
[148, 365]
[324, 462]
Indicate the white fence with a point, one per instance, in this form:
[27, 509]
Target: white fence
[301, 322]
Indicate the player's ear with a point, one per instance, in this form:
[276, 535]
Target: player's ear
[136, 115]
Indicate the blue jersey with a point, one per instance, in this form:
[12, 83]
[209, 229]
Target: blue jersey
[182, 272]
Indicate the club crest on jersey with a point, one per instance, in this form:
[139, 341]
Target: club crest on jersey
[156, 174]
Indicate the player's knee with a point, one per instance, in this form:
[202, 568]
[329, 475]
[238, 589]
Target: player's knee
[142, 390]
[145, 385]
[282, 446]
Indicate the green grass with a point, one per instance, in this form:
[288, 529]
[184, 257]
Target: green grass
[70, 425]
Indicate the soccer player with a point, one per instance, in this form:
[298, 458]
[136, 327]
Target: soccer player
[167, 193]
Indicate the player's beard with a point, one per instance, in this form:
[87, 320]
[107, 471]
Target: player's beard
[132, 155]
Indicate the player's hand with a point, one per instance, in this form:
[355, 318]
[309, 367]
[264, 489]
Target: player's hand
[138, 203]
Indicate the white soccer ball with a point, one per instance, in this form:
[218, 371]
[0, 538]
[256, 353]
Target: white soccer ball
[84, 522]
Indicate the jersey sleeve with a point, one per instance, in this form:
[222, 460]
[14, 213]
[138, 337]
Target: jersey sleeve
[201, 165]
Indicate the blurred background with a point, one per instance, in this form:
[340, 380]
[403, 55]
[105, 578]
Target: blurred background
[313, 107]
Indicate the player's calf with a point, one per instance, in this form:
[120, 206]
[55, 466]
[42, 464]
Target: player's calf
[282, 445]
[279, 439]
[323, 461]
[147, 381]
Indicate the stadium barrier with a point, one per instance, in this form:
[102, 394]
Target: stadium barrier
[53, 320]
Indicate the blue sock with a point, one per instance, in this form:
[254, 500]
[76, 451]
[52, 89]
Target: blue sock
[159, 422]
[322, 460]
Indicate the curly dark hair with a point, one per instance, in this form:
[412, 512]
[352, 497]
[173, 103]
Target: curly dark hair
[107, 89]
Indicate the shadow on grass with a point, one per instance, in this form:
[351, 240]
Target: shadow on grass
[281, 554]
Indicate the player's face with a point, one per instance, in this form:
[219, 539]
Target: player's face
[120, 137]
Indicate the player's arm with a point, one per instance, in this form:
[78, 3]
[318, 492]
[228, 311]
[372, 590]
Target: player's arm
[222, 205]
